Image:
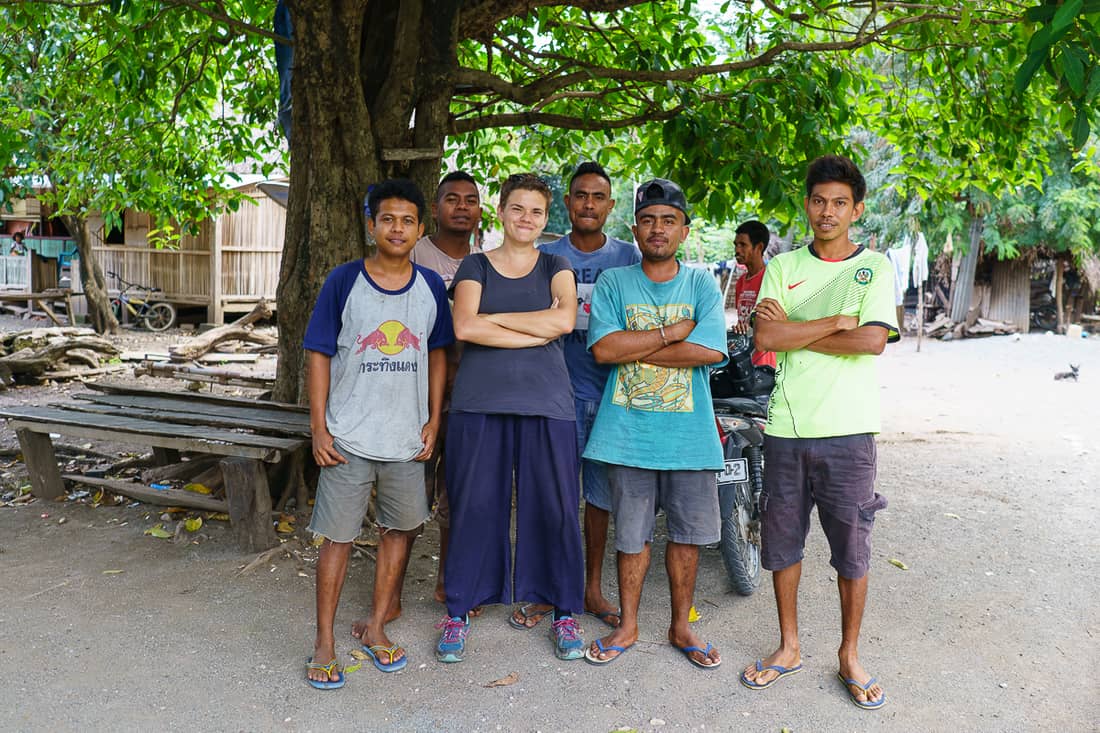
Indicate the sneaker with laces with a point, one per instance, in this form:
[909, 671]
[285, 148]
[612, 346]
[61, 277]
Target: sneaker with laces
[452, 642]
[566, 633]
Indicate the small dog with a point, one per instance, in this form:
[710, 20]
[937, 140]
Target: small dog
[1074, 370]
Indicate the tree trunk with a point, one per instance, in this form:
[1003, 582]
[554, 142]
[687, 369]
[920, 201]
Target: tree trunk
[100, 313]
[364, 70]
[963, 292]
[1010, 293]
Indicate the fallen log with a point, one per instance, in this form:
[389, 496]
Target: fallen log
[182, 471]
[239, 330]
[203, 374]
[167, 497]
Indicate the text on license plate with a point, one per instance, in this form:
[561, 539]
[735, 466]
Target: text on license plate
[737, 469]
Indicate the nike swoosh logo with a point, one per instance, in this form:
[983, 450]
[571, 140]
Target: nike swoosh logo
[792, 287]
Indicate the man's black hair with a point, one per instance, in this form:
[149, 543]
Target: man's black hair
[395, 188]
[450, 177]
[836, 169]
[756, 232]
[590, 167]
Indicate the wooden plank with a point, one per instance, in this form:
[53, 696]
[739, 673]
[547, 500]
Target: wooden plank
[195, 397]
[412, 154]
[41, 462]
[249, 499]
[180, 415]
[178, 402]
[147, 432]
[141, 492]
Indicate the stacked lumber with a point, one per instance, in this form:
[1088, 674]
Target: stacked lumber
[39, 354]
[945, 329]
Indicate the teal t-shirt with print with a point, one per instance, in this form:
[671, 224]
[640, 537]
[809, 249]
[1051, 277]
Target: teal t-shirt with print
[651, 416]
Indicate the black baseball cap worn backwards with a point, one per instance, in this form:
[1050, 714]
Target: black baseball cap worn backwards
[660, 192]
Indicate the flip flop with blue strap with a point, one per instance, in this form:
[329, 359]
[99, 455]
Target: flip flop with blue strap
[687, 650]
[329, 670]
[391, 652]
[760, 667]
[595, 659]
[865, 704]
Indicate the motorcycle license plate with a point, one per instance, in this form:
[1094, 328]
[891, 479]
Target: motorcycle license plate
[737, 469]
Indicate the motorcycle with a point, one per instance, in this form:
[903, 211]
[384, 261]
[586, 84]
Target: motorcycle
[740, 393]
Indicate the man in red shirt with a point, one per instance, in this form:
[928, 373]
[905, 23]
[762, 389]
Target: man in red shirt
[749, 244]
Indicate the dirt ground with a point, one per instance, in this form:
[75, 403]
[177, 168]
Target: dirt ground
[992, 470]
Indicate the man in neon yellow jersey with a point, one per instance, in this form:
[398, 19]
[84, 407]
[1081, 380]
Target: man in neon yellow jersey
[826, 310]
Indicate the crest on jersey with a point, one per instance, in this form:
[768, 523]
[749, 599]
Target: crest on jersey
[863, 275]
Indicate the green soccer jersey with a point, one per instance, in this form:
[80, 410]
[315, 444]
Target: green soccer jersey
[821, 395]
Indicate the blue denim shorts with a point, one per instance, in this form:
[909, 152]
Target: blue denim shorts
[835, 474]
[594, 486]
[344, 491]
[689, 498]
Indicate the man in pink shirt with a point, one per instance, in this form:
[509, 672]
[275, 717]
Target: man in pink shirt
[749, 245]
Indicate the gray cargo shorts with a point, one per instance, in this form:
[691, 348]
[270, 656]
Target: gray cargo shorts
[689, 498]
[836, 474]
[344, 490]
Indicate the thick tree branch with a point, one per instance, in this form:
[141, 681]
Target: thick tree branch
[565, 122]
[479, 18]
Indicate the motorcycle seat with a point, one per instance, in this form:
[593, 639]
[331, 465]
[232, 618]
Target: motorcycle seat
[742, 405]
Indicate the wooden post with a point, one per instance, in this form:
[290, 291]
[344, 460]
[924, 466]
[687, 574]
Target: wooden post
[920, 313]
[1059, 275]
[249, 499]
[215, 313]
[41, 464]
[166, 456]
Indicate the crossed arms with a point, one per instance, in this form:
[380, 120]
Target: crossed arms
[625, 347]
[837, 335]
[516, 330]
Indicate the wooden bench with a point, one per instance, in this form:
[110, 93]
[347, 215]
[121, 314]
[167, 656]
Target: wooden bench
[246, 434]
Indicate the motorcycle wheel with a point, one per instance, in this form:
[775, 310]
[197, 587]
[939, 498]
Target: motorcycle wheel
[741, 555]
[160, 316]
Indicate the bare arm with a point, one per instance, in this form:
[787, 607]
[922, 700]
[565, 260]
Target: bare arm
[626, 347]
[773, 332]
[437, 379]
[317, 384]
[470, 327]
[557, 320]
[684, 354]
[863, 340]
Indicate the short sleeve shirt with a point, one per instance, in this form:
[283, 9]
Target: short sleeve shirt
[379, 342]
[651, 416]
[589, 377]
[745, 294]
[426, 254]
[528, 381]
[822, 395]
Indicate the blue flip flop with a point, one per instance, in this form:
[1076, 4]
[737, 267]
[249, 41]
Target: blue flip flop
[594, 659]
[783, 672]
[328, 669]
[391, 651]
[687, 650]
[865, 704]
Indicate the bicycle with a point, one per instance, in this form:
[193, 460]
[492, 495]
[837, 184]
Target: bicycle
[156, 315]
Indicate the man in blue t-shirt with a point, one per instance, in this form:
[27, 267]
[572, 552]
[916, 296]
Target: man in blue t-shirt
[662, 325]
[590, 252]
[376, 346]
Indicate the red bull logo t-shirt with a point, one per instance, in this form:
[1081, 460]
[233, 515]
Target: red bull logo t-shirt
[379, 342]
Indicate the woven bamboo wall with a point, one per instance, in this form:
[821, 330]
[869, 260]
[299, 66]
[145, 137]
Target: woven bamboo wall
[251, 247]
[181, 270]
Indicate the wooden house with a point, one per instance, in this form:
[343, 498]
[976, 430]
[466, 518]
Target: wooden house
[226, 267]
